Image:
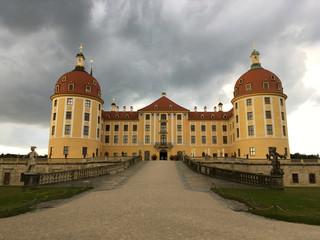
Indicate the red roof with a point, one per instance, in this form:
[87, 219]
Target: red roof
[257, 77]
[164, 104]
[81, 79]
[211, 115]
[113, 115]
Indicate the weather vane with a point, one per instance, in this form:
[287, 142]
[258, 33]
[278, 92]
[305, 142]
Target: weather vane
[80, 48]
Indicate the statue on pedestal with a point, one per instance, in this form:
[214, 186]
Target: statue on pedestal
[273, 157]
[31, 165]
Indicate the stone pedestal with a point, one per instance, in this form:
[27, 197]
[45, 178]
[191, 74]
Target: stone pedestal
[30, 181]
[277, 182]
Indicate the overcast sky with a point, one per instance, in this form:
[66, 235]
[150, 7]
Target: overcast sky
[192, 50]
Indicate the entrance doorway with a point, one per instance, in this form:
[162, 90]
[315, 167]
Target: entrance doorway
[6, 180]
[147, 155]
[163, 155]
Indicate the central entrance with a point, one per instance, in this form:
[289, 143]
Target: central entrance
[163, 155]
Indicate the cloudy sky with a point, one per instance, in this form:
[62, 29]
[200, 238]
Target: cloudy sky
[192, 50]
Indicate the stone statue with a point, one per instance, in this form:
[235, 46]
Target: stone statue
[273, 157]
[31, 165]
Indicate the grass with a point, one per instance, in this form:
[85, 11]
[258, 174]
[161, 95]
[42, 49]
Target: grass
[14, 201]
[301, 204]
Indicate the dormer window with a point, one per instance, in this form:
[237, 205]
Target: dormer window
[117, 116]
[212, 116]
[241, 81]
[273, 77]
[71, 87]
[94, 82]
[108, 116]
[64, 78]
[265, 85]
[99, 93]
[225, 116]
[248, 87]
[279, 86]
[88, 89]
[170, 106]
[57, 88]
[235, 92]
[202, 116]
[155, 106]
[127, 116]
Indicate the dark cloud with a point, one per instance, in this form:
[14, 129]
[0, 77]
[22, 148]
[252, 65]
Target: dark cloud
[141, 48]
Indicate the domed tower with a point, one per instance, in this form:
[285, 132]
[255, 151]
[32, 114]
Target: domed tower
[75, 126]
[259, 113]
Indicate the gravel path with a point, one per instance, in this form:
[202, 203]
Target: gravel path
[153, 204]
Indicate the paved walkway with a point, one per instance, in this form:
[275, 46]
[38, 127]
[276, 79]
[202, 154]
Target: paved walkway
[153, 204]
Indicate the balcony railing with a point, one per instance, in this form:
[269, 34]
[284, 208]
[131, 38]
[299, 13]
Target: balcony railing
[159, 145]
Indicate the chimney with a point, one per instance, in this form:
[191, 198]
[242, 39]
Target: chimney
[195, 108]
[205, 108]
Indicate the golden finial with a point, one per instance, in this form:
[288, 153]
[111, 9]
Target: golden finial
[80, 48]
[113, 100]
[254, 45]
[91, 62]
[219, 100]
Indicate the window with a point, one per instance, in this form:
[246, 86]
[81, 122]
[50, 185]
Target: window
[237, 119]
[98, 119]
[147, 128]
[281, 101]
[279, 86]
[86, 130]
[225, 139]
[53, 130]
[66, 150]
[214, 128]
[266, 85]
[69, 101]
[269, 129]
[98, 133]
[312, 178]
[99, 106]
[203, 128]
[163, 127]
[147, 140]
[67, 129]
[125, 127]
[54, 116]
[238, 133]
[135, 127]
[134, 138]
[224, 128]
[282, 116]
[116, 128]
[68, 115]
[214, 139]
[84, 151]
[249, 115]
[163, 139]
[71, 87]
[235, 93]
[193, 128]
[268, 114]
[107, 139]
[94, 82]
[179, 116]
[236, 105]
[163, 117]
[86, 116]
[250, 130]
[267, 100]
[108, 128]
[88, 89]
[116, 139]
[147, 116]
[284, 130]
[249, 102]
[57, 88]
[241, 81]
[193, 139]
[252, 151]
[179, 128]
[125, 139]
[179, 139]
[248, 87]
[87, 103]
[273, 77]
[295, 178]
[203, 139]
[55, 102]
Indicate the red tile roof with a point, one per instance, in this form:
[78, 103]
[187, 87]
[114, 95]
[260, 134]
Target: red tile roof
[113, 115]
[256, 77]
[163, 104]
[211, 115]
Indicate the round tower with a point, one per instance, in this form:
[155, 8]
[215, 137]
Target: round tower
[260, 118]
[75, 126]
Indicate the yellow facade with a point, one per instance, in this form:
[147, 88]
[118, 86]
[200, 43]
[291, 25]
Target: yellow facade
[81, 128]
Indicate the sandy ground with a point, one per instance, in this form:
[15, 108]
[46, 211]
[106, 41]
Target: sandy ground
[152, 204]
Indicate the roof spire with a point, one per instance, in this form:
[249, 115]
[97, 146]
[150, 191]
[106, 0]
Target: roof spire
[91, 61]
[255, 58]
[80, 48]
[254, 45]
[80, 59]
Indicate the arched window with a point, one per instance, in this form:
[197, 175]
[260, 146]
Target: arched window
[163, 117]
[127, 116]
[241, 81]
[88, 89]
[212, 116]
[202, 116]
[57, 88]
[155, 106]
[64, 78]
[163, 139]
[117, 116]
[71, 87]
[170, 106]
[225, 116]
[163, 126]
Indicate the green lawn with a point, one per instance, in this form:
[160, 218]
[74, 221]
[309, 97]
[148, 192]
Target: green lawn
[302, 205]
[13, 200]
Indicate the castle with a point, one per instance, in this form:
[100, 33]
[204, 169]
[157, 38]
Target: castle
[80, 127]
